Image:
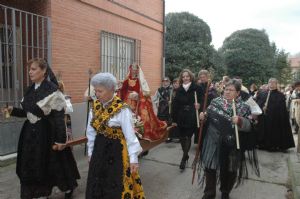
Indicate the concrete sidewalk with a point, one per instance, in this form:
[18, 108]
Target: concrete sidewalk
[162, 178]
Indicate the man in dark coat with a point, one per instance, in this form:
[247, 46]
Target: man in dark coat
[162, 97]
[274, 127]
[162, 100]
[204, 76]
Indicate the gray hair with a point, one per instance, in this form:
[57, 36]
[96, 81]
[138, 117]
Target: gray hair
[273, 80]
[203, 72]
[106, 80]
[235, 83]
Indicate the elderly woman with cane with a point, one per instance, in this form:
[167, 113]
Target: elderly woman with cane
[222, 150]
[113, 148]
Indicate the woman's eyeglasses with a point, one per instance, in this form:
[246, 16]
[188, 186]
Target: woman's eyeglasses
[229, 90]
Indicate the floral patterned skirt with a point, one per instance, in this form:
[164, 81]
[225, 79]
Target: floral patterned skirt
[109, 172]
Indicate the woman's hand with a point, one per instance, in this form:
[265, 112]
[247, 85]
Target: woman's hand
[197, 106]
[59, 147]
[7, 111]
[264, 109]
[202, 116]
[235, 119]
[254, 117]
[134, 167]
[174, 124]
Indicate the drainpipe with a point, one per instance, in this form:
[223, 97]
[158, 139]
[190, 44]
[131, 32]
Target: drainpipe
[164, 41]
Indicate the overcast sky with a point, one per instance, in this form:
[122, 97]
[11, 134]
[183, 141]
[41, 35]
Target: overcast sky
[280, 18]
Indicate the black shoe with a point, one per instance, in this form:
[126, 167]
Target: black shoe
[183, 162]
[144, 153]
[176, 140]
[69, 195]
[225, 196]
[168, 140]
[208, 197]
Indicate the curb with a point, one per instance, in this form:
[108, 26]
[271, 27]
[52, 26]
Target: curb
[294, 172]
[8, 159]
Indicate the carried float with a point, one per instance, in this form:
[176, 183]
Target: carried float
[134, 90]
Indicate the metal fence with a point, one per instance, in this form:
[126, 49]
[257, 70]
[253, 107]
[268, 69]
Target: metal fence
[117, 53]
[23, 36]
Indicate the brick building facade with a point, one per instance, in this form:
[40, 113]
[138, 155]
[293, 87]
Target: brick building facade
[78, 35]
[76, 27]
[295, 66]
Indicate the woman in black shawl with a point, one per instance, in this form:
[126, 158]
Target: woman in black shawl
[274, 127]
[220, 155]
[39, 167]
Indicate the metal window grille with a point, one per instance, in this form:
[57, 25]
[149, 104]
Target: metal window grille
[117, 53]
[23, 36]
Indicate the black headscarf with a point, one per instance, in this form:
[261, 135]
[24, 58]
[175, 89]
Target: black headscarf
[50, 75]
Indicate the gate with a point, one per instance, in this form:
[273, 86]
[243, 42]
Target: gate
[23, 36]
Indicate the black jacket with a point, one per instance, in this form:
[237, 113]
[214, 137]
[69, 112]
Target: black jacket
[183, 109]
[163, 106]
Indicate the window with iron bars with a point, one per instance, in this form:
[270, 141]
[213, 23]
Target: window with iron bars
[23, 36]
[6, 71]
[117, 53]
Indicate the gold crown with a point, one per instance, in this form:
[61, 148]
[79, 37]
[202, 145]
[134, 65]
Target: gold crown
[135, 67]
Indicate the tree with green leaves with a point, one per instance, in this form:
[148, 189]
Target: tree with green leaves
[188, 44]
[249, 55]
[218, 69]
[283, 68]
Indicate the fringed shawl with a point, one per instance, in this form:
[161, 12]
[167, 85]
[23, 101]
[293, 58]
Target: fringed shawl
[216, 152]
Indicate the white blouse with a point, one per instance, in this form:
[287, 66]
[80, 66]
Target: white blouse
[124, 120]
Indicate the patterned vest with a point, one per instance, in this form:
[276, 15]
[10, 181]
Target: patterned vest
[101, 116]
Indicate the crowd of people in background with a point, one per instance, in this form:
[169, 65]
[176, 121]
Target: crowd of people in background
[280, 102]
[265, 117]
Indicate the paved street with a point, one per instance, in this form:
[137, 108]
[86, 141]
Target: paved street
[162, 178]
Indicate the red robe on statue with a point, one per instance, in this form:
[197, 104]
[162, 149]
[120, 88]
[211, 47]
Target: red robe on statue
[154, 129]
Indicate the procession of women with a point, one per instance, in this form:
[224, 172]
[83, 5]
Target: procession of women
[226, 121]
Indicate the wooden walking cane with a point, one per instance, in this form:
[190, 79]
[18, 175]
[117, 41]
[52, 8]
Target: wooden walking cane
[170, 101]
[235, 126]
[194, 165]
[197, 115]
[80, 140]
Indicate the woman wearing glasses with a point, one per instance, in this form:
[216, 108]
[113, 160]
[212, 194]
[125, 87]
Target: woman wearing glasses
[220, 155]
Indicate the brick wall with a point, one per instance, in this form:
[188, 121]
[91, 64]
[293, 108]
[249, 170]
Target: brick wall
[76, 27]
[40, 7]
[19, 4]
[153, 8]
